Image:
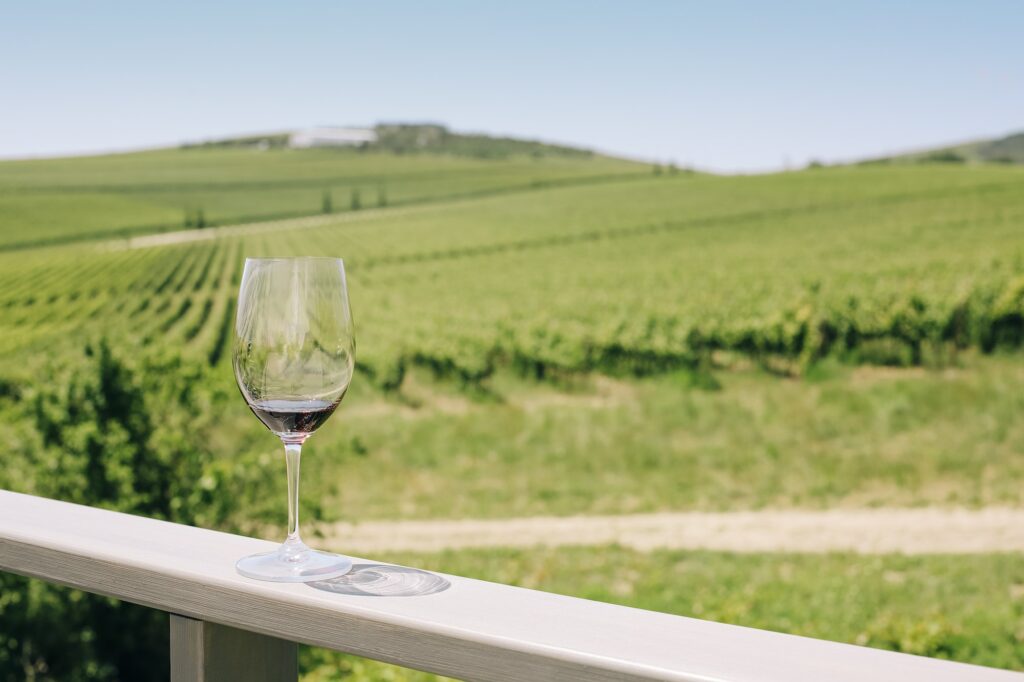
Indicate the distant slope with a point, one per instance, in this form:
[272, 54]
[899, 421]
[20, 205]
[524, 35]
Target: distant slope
[1005, 150]
[899, 264]
[45, 201]
[1009, 149]
[413, 138]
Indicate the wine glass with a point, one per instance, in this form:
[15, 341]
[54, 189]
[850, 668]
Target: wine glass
[294, 356]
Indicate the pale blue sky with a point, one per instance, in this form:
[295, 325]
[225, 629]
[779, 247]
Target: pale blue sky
[721, 85]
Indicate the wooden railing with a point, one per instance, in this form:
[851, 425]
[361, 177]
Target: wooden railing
[226, 627]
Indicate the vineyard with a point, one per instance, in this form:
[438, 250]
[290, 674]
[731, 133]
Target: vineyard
[51, 201]
[536, 336]
[901, 266]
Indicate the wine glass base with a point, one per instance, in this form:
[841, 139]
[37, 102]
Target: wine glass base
[313, 566]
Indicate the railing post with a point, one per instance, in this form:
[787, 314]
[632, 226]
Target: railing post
[207, 652]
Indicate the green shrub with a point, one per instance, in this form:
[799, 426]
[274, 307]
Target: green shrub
[931, 636]
[122, 437]
[194, 217]
[944, 156]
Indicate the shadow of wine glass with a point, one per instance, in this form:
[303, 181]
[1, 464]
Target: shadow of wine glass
[383, 580]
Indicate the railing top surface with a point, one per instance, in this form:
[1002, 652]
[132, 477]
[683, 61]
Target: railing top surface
[472, 630]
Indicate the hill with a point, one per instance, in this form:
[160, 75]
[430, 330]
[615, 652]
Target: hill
[1003, 150]
[259, 178]
[417, 138]
[1009, 149]
[640, 274]
[603, 340]
[412, 138]
[675, 279]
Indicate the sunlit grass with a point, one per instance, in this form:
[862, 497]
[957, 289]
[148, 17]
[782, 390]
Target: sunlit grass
[856, 437]
[961, 608]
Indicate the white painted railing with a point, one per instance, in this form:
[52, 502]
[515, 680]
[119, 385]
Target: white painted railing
[224, 626]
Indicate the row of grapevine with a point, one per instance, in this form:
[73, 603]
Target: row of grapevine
[579, 282]
[904, 332]
[83, 199]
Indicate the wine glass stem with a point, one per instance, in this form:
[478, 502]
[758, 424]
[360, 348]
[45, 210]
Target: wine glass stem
[293, 545]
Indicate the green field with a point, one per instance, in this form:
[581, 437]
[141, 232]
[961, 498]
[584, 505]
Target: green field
[559, 336]
[885, 266]
[57, 200]
[959, 608]
[851, 438]
[1008, 150]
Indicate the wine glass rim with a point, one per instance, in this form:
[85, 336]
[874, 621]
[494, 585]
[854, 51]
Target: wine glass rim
[275, 258]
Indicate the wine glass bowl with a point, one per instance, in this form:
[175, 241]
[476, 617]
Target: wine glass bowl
[294, 356]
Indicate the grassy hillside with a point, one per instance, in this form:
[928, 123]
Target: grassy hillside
[831, 337]
[418, 138]
[884, 265]
[1004, 150]
[686, 281]
[56, 200]
[1009, 149]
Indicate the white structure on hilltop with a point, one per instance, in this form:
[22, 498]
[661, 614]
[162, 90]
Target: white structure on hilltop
[332, 137]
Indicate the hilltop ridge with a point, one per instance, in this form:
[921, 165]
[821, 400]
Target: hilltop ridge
[400, 138]
[1008, 149]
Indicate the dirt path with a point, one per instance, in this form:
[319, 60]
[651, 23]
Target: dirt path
[208, 233]
[869, 531]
